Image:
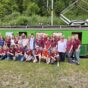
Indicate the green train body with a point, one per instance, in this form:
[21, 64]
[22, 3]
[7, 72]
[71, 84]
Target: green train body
[83, 34]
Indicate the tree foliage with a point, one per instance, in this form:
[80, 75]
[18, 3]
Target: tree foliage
[12, 9]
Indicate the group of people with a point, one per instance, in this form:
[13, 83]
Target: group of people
[50, 49]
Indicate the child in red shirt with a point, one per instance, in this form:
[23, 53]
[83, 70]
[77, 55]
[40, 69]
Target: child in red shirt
[28, 55]
[10, 53]
[5, 52]
[37, 55]
[8, 41]
[46, 56]
[48, 44]
[53, 56]
[19, 53]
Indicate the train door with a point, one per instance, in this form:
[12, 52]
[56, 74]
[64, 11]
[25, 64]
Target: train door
[20, 33]
[79, 35]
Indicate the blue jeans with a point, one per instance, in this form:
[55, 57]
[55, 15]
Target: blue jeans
[76, 56]
[4, 57]
[69, 58]
[9, 57]
[20, 57]
[1, 57]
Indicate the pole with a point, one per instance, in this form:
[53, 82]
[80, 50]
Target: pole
[47, 4]
[51, 12]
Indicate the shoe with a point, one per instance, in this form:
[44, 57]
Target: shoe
[58, 64]
[78, 63]
[73, 61]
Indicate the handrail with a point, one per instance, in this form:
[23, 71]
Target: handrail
[44, 27]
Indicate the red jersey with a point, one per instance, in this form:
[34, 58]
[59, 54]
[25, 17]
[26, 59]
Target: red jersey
[28, 52]
[47, 44]
[53, 43]
[16, 41]
[19, 50]
[37, 42]
[5, 51]
[37, 52]
[69, 45]
[11, 50]
[76, 43]
[1, 51]
[8, 41]
[45, 53]
[45, 39]
[41, 42]
[57, 39]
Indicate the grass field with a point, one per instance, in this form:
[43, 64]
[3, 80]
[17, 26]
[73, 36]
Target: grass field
[14, 74]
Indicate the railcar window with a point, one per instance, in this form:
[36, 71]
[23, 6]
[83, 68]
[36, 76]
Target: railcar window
[79, 35]
[20, 33]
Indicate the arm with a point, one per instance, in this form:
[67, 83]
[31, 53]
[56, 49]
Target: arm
[71, 48]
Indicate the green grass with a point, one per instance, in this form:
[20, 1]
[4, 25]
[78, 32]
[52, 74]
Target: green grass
[15, 74]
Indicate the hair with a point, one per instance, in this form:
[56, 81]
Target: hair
[32, 34]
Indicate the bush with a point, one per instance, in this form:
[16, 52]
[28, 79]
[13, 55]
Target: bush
[20, 20]
[11, 17]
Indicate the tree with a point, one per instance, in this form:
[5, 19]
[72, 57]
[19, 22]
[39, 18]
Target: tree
[7, 7]
[32, 9]
[59, 6]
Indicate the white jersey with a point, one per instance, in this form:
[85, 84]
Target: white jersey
[12, 42]
[61, 46]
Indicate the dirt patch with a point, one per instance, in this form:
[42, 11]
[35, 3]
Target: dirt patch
[77, 80]
[10, 79]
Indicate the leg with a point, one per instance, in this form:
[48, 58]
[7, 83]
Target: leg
[47, 60]
[39, 58]
[69, 57]
[35, 59]
[4, 57]
[1, 56]
[21, 58]
[9, 57]
[77, 54]
[62, 56]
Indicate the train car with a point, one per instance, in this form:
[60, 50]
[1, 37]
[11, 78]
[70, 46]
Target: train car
[82, 33]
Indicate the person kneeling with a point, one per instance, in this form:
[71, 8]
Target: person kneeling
[28, 55]
[45, 56]
[1, 53]
[5, 52]
[53, 56]
[10, 53]
[37, 55]
[19, 53]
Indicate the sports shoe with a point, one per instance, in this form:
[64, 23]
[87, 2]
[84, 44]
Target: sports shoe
[58, 64]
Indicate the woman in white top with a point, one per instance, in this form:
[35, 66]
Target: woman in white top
[62, 48]
[12, 41]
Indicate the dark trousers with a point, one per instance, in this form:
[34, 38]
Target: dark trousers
[69, 57]
[62, 56]
[20, 57]
[9, 57]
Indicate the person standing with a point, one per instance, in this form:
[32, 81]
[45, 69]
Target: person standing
[77, 45]
[62, 49]
[8, 41]
[31, 43]
[69, 48]
[1, 41]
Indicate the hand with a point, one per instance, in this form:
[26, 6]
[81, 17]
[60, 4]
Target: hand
[69, 51]
[77, 50]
